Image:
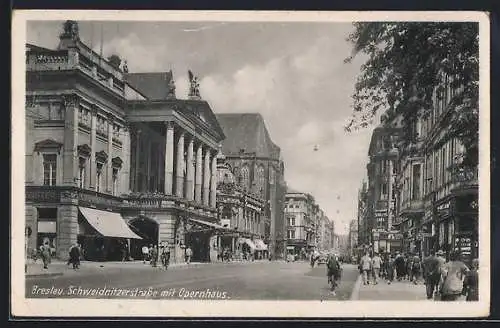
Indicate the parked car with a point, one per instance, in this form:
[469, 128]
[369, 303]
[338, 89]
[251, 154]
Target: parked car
[322, 258]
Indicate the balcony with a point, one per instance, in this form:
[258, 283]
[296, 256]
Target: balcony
[48, 61]
[151, 200]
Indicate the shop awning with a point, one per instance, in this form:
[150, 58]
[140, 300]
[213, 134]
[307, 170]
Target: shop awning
[260, 245]
[108, 224]
[210, 224]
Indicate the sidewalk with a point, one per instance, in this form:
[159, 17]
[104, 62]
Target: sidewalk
[396, 291]
[58, 268]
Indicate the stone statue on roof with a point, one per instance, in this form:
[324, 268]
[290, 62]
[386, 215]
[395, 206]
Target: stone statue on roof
[194, 90]
[171, 86]
[71, 30]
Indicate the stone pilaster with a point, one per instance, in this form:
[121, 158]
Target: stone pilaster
[206, 178]
[190, 171]
[179, 181]
[67, 227]
[70, 154]
[109, 163]
[93, 164]
[198, 175]
[169, 157]
[137, 153]
[125, 156]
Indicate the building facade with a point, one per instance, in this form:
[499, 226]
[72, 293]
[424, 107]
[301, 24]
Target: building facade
[113, 159]
[381, 191]
[242, 212]
[257, 166]
[353, 238]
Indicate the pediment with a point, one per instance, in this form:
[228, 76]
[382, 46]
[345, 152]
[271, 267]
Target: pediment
[84, 150]
[48, 144]
[101, 156]
[117, 161]
[201, 112]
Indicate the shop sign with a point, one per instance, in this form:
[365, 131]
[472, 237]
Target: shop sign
[463, 245]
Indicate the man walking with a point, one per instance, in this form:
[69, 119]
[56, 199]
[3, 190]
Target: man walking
[45, 252]
[145, 253]
[189, 253]
[400, 264]
[365, 265]
[452, 278]
[376, 265]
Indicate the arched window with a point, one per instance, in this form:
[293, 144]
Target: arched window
[245, 177]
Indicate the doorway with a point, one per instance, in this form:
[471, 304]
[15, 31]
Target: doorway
[147, 229]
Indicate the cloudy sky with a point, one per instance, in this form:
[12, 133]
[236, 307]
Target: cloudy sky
[292, 73]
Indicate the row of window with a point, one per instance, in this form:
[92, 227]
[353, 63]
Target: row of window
[243, 178]
[84, 117]
[50, 173]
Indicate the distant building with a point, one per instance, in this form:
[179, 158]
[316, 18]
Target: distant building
[353, 237]
[257, 167]
[300, 238]
[242, 212]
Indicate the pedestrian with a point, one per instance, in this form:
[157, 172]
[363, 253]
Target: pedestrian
[74, 255]
[165, 255]
[471, 282]
[189, 253]
[452, 278]
[390, 269]
[154, 256]
[333, 272]
[432, 273]
[399, 263]
[365, 264]
[45, 253]
[416, 268]
[408, 268]
[145, 253]
[376, 265]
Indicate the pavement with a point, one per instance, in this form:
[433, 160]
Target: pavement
[395, 291]
[59, 268]
[261, 280]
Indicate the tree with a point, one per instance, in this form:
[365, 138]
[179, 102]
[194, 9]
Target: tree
[405, 65]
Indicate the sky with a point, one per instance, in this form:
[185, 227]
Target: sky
[293, 73]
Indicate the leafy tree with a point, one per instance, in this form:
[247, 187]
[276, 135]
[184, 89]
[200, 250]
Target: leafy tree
[404, 63]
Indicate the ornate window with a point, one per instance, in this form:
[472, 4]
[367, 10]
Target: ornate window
[101, 158]
[245, 177]
[116, 164]
[49, 169]
[81, 172]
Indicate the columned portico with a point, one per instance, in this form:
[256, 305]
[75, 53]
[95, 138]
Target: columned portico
[169, 157]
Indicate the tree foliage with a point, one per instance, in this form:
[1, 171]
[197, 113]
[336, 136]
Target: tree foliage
[404, 63]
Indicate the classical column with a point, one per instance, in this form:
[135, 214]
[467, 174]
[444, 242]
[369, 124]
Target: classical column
[148, 167]
[206, 178]
[179, 182]
[137, 187]
[198, 175]
[169, 157]
[93, 164]
[70, 155]
[109, 164]
[213, 182]
[190, 171]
